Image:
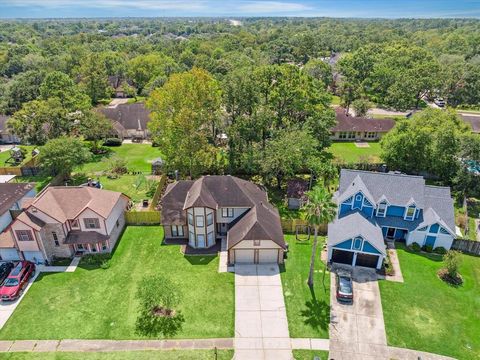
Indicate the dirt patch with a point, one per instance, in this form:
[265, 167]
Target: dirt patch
[456, 280]
[362, 145]
[163, 312]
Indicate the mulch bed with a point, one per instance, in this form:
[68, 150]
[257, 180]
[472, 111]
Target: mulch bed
[445, 276]
[163, 312]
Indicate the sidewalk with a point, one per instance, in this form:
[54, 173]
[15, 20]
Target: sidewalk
[112, 345]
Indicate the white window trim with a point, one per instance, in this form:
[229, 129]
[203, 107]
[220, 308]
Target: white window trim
[410, 218]
[378, 208]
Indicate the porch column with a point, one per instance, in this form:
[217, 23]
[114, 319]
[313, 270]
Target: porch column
[354, 261]
[379, 262]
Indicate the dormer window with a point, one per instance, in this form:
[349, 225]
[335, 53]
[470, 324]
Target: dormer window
[382, 209]
[410, 213]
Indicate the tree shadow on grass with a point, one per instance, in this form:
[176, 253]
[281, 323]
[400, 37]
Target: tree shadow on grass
[200, 259]
[316, 313]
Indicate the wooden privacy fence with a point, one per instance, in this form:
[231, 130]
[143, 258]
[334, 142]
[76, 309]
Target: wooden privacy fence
[467, 246]
[158, 192]
[290, 226]
[29, 168]
[150, 217]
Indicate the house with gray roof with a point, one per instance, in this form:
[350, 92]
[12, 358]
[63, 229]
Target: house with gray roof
[215, 209]
[375, 206]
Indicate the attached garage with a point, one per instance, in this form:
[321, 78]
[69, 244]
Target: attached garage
[244, 256]
[367, 260]
[354, 240]
[34, 256]
[267, 256]
[9, 254]
[342, 256]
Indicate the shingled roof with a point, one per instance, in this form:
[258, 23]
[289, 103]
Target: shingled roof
[10, 193]
[261, 222]
[128, 116]
[353, 123]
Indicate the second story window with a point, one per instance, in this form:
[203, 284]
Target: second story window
[209, 219]
[382, 209]
[24, 235]
[91, 223]
[410, 213]
[199, 221]
[227, 212]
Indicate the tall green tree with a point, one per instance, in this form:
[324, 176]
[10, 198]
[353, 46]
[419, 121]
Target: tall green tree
[60, 156]
[319, 210]
[61, 86]
[94, 78]
[184, 116]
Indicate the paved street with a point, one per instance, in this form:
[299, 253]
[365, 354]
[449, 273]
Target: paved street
[261, 327]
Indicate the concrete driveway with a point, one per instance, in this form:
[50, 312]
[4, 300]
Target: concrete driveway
[357, 331]
[261, 327]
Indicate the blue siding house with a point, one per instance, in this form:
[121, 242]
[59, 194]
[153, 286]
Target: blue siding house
[376, 206]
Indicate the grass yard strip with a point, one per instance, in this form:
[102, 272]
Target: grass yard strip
[122, 355]
[308, 312]
[310, 354]
[349, 153]
[137, 156]
[5, 155]
[96, 303]
[426, 314]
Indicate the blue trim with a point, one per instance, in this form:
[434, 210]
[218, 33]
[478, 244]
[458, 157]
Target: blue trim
[384, 231]
[357, 244]
[344, 208]
[358, 201]
[434, 228]
[367, 247]
[347, 244]
[367, 210]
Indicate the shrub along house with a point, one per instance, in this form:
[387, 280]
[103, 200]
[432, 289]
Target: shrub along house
[216, 208]
[61, 221]
[376, 206]
[353, 128]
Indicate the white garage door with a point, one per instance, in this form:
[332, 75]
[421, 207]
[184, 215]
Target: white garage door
[9, 254]
[34, 256]
[268, 256]
[244, 256]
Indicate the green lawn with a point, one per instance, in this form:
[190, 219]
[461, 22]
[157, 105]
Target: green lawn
[138, 157]
[426, 314]
[349, 153]
[93, 303]
[123, 355]
[5, 155]
[310, 354]
[308, 312]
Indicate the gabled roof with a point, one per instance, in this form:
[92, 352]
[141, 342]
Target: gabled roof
[66, 202]
[30, 220]
[439, 199]
[398, 189]
[10, 193]
[128, 116]
[262, 222]
[355, 186]
[353, 123]
[356, 225]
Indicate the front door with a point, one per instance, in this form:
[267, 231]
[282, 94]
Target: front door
[390, 233]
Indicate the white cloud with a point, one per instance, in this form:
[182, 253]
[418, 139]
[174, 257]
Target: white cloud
[141, 4]
[271, 7]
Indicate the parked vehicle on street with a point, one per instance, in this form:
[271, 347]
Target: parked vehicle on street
[5, 269]
[439, 102]
[16, 281]
[344, 288]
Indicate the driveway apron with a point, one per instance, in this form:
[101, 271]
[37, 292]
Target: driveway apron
[261, 327]
[357, 331]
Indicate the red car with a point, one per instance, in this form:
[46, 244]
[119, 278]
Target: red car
[17, 280]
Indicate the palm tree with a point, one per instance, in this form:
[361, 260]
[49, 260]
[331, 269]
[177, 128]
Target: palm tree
[319, 210]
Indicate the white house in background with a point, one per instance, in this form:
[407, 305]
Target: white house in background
[374, 206]
[215, 208]
[61, 221]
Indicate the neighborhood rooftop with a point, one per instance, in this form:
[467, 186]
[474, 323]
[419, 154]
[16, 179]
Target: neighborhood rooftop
[10, 193]
[354, 123]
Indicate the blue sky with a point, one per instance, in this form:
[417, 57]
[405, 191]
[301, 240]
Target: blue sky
[238, 8]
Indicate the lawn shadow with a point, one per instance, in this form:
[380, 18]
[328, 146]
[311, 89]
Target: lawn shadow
[317, 312]
[199, 259]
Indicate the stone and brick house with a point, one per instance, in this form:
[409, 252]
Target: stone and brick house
[62, 221]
